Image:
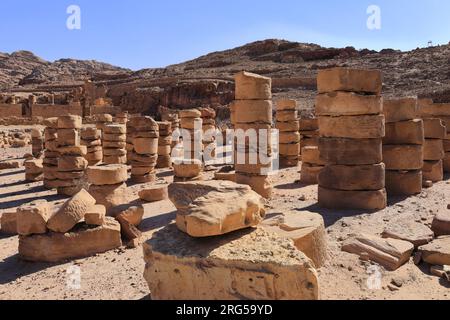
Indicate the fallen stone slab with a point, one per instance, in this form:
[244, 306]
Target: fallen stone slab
[71, 212]
[414, 232]
[209, 208]
[441, 224]
[247, 264]
[437, 252]
[390, 253]
[32, 218]
[8, 222]
[155, 193]
[81, 242]
[306, 229]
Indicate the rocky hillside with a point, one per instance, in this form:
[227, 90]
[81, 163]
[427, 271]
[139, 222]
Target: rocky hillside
[208, 80]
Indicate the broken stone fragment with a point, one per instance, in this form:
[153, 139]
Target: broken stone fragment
[154, 193]
[110, 195]
[82, 241]
[390, 253]
[71, 212]
[306, 229]
[8, 222]
[441, 224]
[247, 264]
[95, 215]
[437, 252]
[32, 218]
[215, 207]
[414, 232]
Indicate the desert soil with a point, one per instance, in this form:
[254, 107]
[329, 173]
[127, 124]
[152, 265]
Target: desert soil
[118, 274]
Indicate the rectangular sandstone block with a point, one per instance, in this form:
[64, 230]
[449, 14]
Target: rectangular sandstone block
[353, 127]
[173, 258]
[8, 223]
[434, 128]
[432, 110]
[403, 183]
[309, 173]
[68, 137]
[311, 155]
[250, 86]
[353, 178]
[287, 126]
[404, 132]
[446, 162]
[433, 149]
[253, 111]
[347, 104]
[309, 124]
[433, 170]
[350, 151]
[403, 157]
[346, 79]
[287, 115]
[402, 109]
[352, 200]
[286, 104]
[446, 122]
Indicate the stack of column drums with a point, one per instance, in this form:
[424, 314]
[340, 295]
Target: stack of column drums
[129, 142]
[253, 111]
[190, 167]
[121, 118]
[209, 134]
[145, 154]
[172, 117]
[434, 132]
[351, 128]
[403, 147]
[114, 143]
[103, 119]
[37, 142]
[164, 145]
[312, 165]
[71, 161]
[91, 138]
[50, 162]
[289, 137]
[309, 133]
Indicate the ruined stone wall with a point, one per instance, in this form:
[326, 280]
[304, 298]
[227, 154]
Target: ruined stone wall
[55, 110]
[113, 110]
[10, 110]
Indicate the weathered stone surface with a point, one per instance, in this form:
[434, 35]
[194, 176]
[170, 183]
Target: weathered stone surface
[72, 163]
[433, 109]
[114, 137]
[403, 157]
[187, 169]
[154, 193]
[434, 128]
[253, 111]
[110, 195]
[81, 242]
[250, 265]
[190, 113]
[287, 126]
[404, 183]
[209, 208]
[414, 232]
[73, 151]
[286, 104]
[8, 222]
[390, 253]
[287, 115]
[69, 122]
[358, 200]
[107, 175]
[71, 212]
[260, 184]
[129, 231]
[132, 214]
[345, 79]
[68, 137]
[311, 124]
[347, 104]
[9, 164]
[250, 86]
[32, 218]
[433, 149]
[309, 173]
[441, 224]
[147, 123]
[145, 145]
[351, 151]
[433, 171]
[95, 215]
[402, 109]
[341, 177]
[289, 137]
[353, 127]
[227, 176]
[306, 229]
[109, 152]
[404, 132]
[437, 252]
[119, 129]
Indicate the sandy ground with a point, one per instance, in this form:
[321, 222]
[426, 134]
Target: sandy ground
[118, 274]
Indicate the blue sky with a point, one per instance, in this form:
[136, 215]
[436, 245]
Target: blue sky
[147, 33]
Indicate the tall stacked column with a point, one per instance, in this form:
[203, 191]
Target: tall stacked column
[312, 165]
[114, 144]
[71, 162]
[190, 168]
[289, 141]
[309, 133]
[209, 134]
[403, 147]
[145, 154]
[351, 128]
[164, 145]
[253, 115]
[50, 162]
[91, 138]
[37, 142]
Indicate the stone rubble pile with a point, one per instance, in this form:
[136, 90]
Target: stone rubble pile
[289, 136]
[403, 147]
[253, 112]
[351, 127]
